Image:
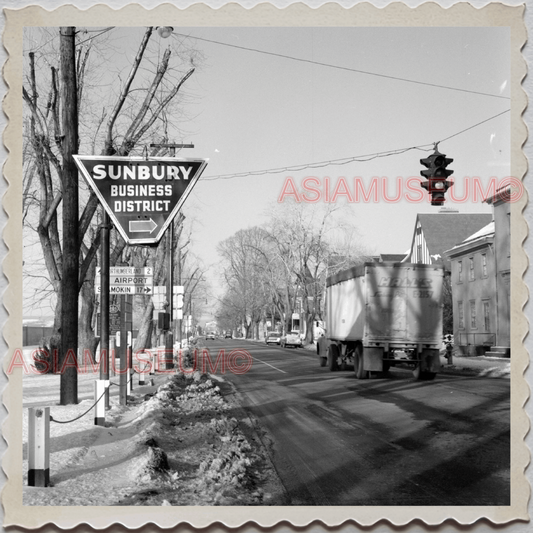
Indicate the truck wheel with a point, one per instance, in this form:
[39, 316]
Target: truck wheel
[333, 355]
[358, 363]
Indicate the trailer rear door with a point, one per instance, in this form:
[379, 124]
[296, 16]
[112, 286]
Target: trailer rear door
[404, 303]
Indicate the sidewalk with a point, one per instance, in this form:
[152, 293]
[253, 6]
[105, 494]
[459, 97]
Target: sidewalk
[494, 367]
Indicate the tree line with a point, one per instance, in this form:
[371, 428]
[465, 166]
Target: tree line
[279, 268]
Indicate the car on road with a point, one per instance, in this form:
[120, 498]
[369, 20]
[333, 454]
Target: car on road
[210, 336]
[272, 338]
[291, 339]
[228, 335]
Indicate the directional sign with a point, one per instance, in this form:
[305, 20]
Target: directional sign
[127, 289]
[141, 196]
[128, 279]
[132, 271]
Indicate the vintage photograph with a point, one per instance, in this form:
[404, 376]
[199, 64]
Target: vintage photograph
[268, 266]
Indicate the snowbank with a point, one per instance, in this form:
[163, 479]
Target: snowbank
[180, 442]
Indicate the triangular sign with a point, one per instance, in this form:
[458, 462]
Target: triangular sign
[142, 196]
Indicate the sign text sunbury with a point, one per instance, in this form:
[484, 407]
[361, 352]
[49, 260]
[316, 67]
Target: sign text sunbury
[141, 196]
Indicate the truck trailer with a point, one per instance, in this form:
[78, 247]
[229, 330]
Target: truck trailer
[380, 315]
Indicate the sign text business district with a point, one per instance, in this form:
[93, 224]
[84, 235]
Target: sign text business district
[141, 196]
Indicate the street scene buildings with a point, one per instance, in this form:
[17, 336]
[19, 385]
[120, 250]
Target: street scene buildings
[276, 290]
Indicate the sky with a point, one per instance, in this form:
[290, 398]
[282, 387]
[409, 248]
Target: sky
[288, 98]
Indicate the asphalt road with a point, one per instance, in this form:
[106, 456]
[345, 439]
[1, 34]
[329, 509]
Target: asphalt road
[336, 440]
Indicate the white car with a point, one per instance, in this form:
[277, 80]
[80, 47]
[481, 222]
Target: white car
[291, 339]
[272, 338]
[210, 336]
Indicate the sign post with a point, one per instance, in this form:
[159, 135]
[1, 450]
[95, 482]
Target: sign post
[104, 309]
[125, 312]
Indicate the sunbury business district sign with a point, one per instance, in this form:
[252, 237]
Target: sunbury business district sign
[142, 196]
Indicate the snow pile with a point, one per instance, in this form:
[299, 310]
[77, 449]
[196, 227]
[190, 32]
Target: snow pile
[151, 465]
[229, 468]
[175, 444]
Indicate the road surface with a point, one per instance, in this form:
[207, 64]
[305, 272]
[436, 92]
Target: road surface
[336, 440]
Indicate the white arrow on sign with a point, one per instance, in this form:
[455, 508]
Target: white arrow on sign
[142, 226]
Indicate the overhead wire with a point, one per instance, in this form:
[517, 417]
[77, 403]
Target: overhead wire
[340, 67]
[343, 161]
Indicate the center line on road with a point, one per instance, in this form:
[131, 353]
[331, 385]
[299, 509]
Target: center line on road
[265, 363]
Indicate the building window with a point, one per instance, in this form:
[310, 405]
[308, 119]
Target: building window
[471, 275]
[459, 272]
[419, 253]
[473, 320]
[486, 315]
[461, 315]
[484, 265]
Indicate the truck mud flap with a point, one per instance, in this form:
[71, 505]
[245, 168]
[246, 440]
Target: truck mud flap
[430, 361]
[373, 359]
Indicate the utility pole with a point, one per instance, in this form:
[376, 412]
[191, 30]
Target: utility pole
[71, 249]
[169, 337]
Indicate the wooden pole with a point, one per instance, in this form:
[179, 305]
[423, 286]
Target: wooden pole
[71, 248]
[124, 371]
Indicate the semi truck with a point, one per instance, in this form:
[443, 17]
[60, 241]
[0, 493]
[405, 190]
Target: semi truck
[381, 315]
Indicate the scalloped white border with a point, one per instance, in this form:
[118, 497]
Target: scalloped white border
[263, 14]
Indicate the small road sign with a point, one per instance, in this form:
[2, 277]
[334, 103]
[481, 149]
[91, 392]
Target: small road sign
[127, 271]
[141, 196]
[127, 289]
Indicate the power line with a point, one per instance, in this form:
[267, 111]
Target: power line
[359, 158]
[339, 67]
[475, 125]
[95, 36]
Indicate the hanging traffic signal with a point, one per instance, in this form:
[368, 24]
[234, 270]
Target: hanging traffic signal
[436, 174]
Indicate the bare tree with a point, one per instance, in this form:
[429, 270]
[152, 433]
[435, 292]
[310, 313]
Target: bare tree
[139, 109]
[244, 264]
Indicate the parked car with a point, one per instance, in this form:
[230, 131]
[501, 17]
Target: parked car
[272, 338]
[291, 339]
[228, 335]
[210, 336]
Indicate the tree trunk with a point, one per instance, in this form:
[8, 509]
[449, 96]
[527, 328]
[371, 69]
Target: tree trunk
[144, 337]
[309, 334]
[87, 338]
[69, 179]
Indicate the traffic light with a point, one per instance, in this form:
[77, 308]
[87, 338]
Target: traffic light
[436, 174]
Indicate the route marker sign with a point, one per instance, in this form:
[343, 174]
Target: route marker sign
[141, 196]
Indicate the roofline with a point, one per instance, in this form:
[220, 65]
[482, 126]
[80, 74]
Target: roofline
[471, 246]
